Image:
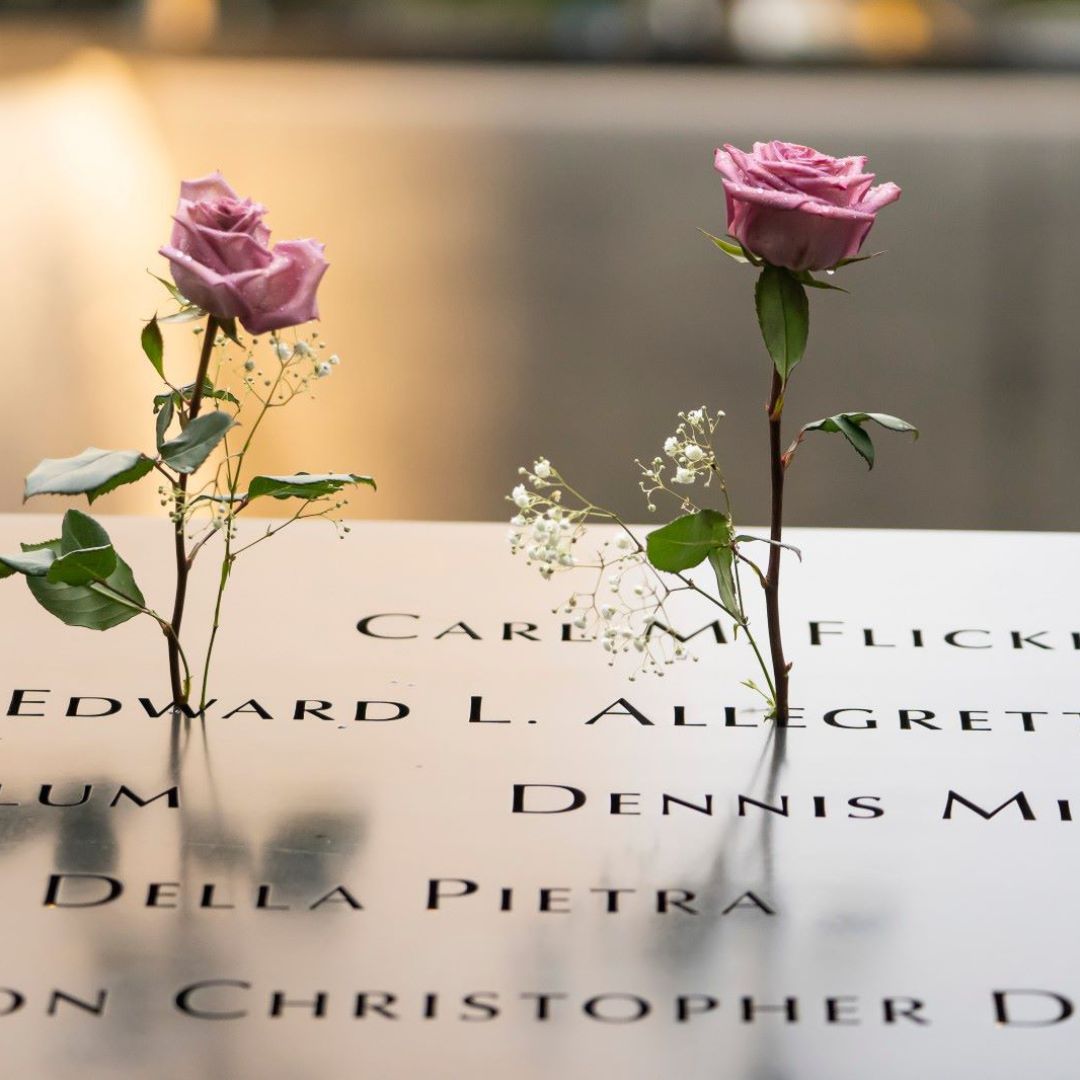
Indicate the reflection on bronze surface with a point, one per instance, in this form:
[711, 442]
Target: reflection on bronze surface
[907, 904]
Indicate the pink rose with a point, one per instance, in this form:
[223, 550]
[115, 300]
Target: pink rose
[220, 260]
[795, 207]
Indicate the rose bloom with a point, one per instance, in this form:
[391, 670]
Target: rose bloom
[221, 260]
[796, 207]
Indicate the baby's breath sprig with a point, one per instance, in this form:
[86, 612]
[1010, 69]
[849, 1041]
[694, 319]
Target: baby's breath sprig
[691, 454]
[290, 372]
[625, 607]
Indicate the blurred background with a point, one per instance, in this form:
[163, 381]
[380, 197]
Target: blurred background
[511, 191]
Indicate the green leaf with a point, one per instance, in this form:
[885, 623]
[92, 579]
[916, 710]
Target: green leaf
[82, 567]
[688, 540]
[722, 561]
[808, 279]
[166, 404]
[153, 346]
[193, 445]
[91, 473]
[228, 328]
[209, 391]
[86, 552]
[165, 410]
[784, 316]
[93, 605]
[850, 425]
[29, 562]
[731, 248]
[858, 438]
[41, 545]
[79, 531]
[745, 538]
[304, 485]
[188, 313]
[34, 563]
[174, 292]
[859, 258]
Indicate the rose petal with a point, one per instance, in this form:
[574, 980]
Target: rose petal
[784, 200]
[725, 165]
[213, 186]
[283, 294]
[203, 286]
[797, 207]
[755, 173]
[880, 196]
[797, 240]
[840, 190]
[187, 236]
[852, 166]
[225, 252]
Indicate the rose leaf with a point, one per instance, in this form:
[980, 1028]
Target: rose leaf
[784, 317]
[153, 345]
[193, 445]
[850, 425]
[304, 485]
[92, 473]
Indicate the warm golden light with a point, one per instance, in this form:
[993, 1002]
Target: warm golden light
[892, 29]
[91, 192]
[179, 24]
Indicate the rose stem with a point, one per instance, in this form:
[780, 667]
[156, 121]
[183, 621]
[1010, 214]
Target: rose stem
[180, 690]
[772, 576]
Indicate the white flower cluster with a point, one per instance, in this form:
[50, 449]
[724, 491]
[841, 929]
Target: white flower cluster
[301, 350]
[626, 601]
[297, 364]
[543, 527]
[689, 451]
[625, 610]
